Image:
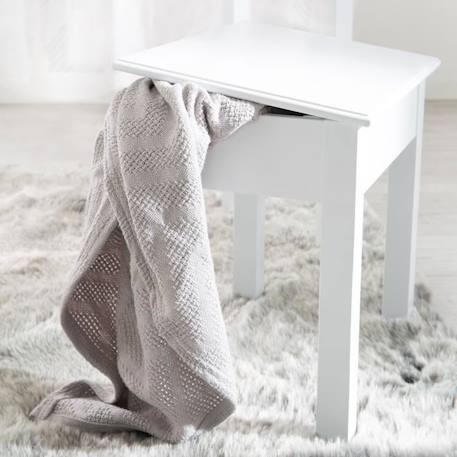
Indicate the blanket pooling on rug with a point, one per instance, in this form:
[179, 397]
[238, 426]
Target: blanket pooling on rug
[142, 304]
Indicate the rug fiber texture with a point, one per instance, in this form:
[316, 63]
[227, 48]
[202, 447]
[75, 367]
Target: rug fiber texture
[407, 368]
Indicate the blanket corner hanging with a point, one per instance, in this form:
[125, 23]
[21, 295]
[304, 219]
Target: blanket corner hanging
[142, 304]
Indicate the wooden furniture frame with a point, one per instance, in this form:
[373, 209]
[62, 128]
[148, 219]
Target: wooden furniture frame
[364, 107]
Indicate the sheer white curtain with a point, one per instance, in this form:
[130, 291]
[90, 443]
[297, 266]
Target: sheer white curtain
[62, 50]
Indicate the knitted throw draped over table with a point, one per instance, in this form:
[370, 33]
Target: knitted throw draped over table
[142, 304]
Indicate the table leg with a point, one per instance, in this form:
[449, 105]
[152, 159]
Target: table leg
[339, 300]
[403, 207]
[249, 223]
[227, 200]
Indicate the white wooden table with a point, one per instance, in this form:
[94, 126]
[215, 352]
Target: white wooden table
[366, 105]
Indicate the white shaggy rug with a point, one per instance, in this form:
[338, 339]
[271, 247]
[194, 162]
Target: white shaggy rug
[408, 369]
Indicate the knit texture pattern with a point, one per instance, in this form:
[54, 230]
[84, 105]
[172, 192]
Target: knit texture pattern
[142, 304]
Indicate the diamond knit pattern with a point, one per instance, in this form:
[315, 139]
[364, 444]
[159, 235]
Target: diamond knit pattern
[142, 304]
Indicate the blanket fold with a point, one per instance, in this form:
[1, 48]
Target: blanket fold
[142, 304]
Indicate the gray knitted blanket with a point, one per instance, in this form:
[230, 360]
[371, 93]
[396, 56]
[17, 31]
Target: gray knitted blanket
[142, 304]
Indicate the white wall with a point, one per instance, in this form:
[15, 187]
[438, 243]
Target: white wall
[312, 15]
[425, 26]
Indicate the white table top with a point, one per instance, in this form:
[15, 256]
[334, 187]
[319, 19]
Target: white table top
[308, 73]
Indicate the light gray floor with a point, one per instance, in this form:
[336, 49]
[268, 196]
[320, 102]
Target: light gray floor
[43, 134]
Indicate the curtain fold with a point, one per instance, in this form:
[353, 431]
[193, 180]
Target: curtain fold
[49, 46]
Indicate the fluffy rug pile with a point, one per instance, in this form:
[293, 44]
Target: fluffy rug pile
[408, 369]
